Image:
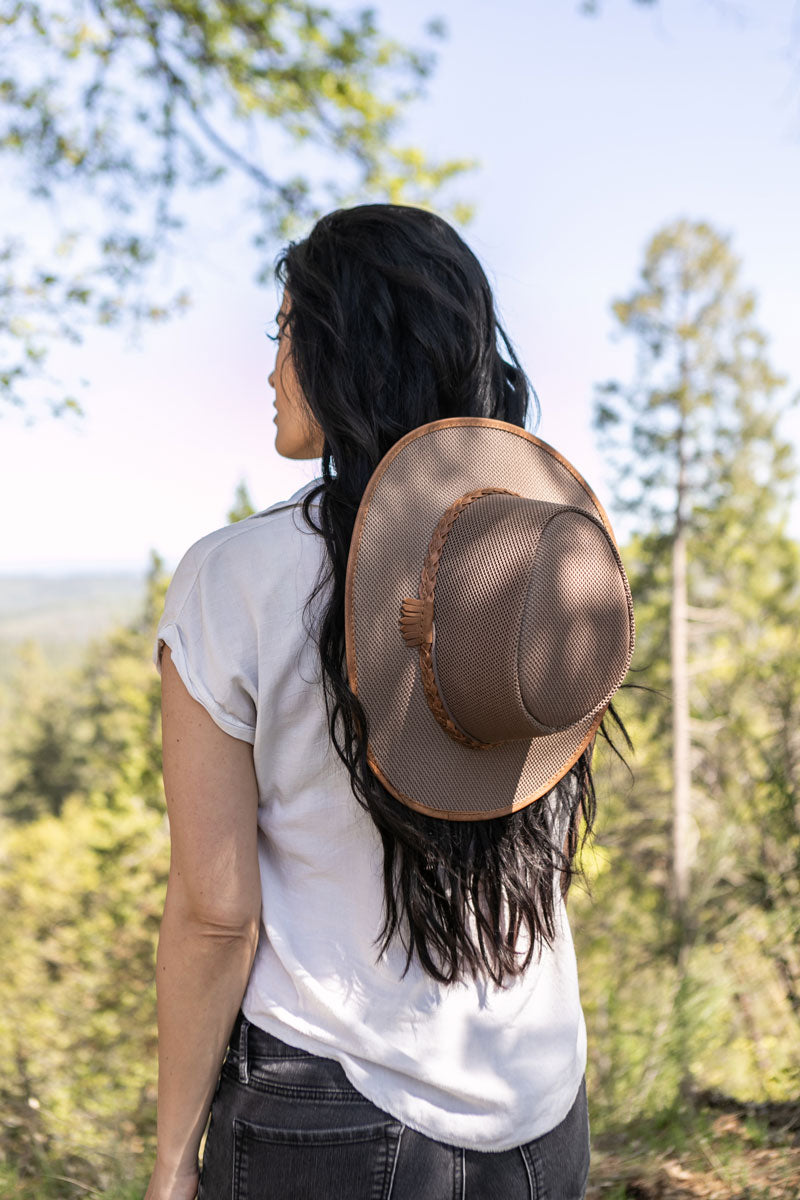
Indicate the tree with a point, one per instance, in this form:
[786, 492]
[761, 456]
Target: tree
[242, 504]
[94, 729]
[698, 422]
[83, 875]
[117, 111]
[83, 872]
[697, 455]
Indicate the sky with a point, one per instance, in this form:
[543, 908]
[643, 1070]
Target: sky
[592, 134]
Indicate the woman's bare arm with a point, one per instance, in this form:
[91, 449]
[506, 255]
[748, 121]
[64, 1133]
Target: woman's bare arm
[211, 918]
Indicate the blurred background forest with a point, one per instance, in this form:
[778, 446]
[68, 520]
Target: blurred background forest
[686, 930]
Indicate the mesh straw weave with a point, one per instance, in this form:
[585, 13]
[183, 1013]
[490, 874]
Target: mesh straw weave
[521, 607]
[577, 669]
[419, 478]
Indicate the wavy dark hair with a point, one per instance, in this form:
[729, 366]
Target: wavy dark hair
[392, 324]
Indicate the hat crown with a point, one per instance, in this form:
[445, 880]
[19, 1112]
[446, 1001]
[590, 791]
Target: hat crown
[532, 618]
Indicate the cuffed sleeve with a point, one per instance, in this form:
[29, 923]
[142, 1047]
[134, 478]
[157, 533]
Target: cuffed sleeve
[209, 626]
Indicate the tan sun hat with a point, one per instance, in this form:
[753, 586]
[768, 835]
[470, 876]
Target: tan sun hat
[488, 617]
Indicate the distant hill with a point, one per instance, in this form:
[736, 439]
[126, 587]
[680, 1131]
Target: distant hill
[63, 613]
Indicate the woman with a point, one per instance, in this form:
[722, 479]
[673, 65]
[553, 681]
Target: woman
[362, 906]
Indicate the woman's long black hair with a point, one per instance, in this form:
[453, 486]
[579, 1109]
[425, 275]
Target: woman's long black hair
[392, 324]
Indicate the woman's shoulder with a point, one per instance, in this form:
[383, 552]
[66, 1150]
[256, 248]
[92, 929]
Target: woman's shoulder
[268, 532]
[243, 564]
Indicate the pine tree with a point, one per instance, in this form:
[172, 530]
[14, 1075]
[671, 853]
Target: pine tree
[698, 457]
[242, 504]
[83, 875]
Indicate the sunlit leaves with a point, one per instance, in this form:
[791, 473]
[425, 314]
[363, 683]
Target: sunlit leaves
[123, 107]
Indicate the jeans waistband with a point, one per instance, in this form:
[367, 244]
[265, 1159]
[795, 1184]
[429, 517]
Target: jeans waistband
[248, 1041]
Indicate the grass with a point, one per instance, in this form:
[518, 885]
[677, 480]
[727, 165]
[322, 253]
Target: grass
[53, 1185]
[724, 1150]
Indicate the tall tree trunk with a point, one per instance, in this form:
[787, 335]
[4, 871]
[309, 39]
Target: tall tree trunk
[681, 807]
[681, 764]
[681, 760]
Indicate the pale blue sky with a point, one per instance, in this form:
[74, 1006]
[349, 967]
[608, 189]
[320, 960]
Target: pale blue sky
[592, 133]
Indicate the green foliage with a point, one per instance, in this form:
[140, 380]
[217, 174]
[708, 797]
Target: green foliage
[94, 728]
[242, 505]
[720, 1149]
[123, 108]
[83, 874]
[696, 448]
[84, 891]
[704, 409]
[84, 856]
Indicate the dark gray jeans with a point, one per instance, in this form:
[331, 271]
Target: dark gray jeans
[288, 1125]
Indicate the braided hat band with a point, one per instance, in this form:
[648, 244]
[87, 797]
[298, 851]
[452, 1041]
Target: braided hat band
[416, 620]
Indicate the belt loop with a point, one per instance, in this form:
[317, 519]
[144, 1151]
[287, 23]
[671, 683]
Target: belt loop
[244, 1066]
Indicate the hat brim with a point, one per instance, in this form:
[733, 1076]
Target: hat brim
[413, 484]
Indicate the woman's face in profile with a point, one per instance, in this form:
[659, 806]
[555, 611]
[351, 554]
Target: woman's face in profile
[292, 418]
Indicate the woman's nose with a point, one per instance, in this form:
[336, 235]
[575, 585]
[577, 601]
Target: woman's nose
[271, 379]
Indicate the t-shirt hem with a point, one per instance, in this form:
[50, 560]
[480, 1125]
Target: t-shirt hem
[448, 1131]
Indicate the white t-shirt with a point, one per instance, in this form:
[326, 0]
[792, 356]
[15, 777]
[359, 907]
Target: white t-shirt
[467, 1064]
